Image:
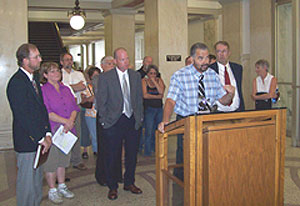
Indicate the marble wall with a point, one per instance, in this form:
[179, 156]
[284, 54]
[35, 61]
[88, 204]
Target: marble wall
[166, 33]
[13, 27]
[283, 59]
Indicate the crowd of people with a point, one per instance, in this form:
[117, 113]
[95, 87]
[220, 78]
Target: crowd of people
[114, 110]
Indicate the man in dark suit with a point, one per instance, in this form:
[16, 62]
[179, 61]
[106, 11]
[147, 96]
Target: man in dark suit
[120, 108]
[229, 73]
[30, 124]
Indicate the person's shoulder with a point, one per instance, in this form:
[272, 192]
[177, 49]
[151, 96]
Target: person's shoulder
[235, 65]
[210, 71]
[16, 77]
[213, 66]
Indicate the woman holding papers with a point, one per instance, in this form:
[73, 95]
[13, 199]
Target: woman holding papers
[62, 110]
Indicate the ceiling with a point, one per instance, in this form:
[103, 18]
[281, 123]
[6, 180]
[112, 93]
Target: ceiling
[56, 11]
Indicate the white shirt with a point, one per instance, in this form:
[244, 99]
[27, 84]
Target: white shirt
[74, 77]
[121, 76]
[264, 86]
[236, 99]
[29, 75]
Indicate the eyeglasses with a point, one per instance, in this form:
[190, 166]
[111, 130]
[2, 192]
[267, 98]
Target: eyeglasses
[36, 57]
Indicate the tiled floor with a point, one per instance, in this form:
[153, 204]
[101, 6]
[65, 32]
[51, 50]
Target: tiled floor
[89, 193]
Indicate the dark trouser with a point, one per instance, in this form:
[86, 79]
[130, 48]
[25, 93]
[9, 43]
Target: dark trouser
[100, 169]
[123, 129]
[178, 172]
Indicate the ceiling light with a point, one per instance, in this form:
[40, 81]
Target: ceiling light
[77, 17]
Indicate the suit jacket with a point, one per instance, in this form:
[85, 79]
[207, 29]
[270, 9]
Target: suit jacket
[237, 71]
[30, 116]
[109, 98]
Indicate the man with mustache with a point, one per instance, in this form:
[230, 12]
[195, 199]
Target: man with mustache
[183, 95]
[30, 124]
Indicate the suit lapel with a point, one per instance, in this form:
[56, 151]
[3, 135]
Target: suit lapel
[116, 79]
[30, 87]
[131, 84]
[233, 71]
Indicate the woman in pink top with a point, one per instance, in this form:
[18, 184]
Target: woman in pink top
[62, 110]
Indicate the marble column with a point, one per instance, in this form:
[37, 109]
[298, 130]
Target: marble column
[119, 31]
[296, 73]
[166, 33]
[14, 30]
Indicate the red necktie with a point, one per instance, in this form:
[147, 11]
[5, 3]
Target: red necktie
[227, 81]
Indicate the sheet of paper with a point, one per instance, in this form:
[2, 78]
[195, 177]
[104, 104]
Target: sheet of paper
[64, 141]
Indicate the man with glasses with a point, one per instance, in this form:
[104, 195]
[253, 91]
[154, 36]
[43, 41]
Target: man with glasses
[30, 124]
[77, 82]
[230, 74]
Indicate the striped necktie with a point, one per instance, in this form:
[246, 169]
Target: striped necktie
[201, 94]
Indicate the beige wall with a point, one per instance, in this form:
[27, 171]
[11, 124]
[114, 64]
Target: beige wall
[120, 32]
[195, 32]
[13, 24]
[166, 34]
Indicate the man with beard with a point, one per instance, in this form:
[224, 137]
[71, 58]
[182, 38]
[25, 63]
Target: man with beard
[77, 82]
[184, 96]
[30, 124]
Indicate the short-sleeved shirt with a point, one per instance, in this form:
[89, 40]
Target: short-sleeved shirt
[61, 103]
[74, 77]
[183, 89]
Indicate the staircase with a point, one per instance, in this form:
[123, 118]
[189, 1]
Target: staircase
[47, 39]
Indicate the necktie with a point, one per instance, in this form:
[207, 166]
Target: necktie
[227, 81]
[201, 94]
[126, 97]
[35, 87]
[226, 75]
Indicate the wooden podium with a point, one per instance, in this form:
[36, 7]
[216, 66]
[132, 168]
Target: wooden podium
[230, 159]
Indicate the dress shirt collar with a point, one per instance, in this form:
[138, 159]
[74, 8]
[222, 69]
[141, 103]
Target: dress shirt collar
[65, 71]
[222, 67]
[29, 75]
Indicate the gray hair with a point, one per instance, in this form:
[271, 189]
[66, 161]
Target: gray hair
[105, 59]
[263, 63]
[196, 46]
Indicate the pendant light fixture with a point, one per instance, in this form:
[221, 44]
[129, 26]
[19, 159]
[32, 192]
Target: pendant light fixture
[77, 17]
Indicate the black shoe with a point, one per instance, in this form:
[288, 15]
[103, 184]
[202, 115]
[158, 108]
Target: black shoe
[112, 194]
[85, 155]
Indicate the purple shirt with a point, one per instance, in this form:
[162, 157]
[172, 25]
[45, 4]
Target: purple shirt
[61, 103]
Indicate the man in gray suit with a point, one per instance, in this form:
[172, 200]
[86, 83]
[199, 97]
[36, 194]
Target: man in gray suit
[120, 108]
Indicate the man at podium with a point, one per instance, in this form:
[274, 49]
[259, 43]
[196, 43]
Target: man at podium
[194, 89]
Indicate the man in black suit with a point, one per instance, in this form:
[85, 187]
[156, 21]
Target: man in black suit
[30, 124]
[229, 73]
[120, 107]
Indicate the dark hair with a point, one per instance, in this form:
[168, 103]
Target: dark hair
[152, 66]
[211, 56]
[23, 52]
[45, 68]
[61, 57]
[196, 46]
[225, 43]
[91, 69]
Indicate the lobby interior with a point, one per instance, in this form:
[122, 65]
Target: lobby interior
[255, 29]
